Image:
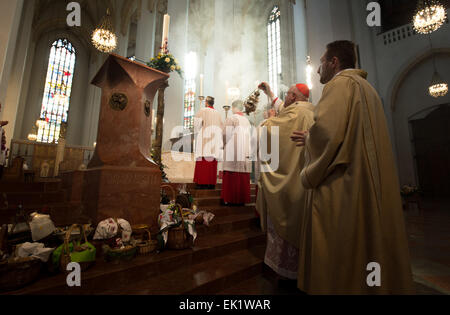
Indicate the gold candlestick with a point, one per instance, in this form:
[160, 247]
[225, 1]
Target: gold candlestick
[227, 109]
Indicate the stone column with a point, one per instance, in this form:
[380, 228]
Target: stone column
[121, 180]
[17, 78]
[145, 39]
[10, 15]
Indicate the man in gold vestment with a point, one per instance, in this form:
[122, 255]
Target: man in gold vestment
[353, 240]
[281, 198]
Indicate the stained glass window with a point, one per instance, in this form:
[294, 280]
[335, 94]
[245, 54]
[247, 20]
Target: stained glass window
[58, 88]
[189, 104]
[274, 49]
[190, 89]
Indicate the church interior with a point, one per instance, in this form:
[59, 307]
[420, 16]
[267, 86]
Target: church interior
[85, 117]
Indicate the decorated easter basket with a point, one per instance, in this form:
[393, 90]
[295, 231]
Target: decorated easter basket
[178, 238]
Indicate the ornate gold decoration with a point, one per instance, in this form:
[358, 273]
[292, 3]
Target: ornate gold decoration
[251, 102]
[118, 101]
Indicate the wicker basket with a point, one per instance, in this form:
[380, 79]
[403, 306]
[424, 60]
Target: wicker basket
[172, 191]
[15, 274]
[178, 237]
[117, 255]
[184, 201]
[147, 246]
[65, 254]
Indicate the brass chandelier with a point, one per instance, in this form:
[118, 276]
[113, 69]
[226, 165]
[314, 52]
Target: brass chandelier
[438, 87]
[429, 17]
[103, 37]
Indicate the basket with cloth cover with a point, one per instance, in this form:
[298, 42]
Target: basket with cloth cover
[117, 236]
[174, 233]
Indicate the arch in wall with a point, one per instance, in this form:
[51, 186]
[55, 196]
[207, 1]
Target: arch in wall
[409, 66]
[407, 80]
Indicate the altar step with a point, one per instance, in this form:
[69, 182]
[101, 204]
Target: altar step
[229, 224]
[204, 278]
[212, 265]
[206, 202]
[213, 193]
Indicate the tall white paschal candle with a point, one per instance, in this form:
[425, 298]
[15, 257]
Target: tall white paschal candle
[166, 26]
[201, 85]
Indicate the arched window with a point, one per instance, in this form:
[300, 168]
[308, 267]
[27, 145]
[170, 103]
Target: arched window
[189, 90]
[58, 88]
[274, 49]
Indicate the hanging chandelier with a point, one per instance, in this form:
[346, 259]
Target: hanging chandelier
[429, 17]
[103, 37]
[438, 87]
[32, 136]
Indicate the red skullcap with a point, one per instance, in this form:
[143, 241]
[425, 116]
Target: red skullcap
[304, 89]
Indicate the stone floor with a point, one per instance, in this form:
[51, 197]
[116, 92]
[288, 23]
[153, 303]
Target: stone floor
[429, 241]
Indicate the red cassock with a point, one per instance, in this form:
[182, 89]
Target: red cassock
[208, 129]
[237, 166]
[236, 188]
[205, 172]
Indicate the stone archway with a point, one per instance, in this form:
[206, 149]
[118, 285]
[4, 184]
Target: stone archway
[408, 95]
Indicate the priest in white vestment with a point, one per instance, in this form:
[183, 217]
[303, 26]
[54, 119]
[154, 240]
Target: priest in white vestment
[237, 166]
[208, 126]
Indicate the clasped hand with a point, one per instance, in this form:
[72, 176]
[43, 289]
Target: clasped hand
[299, 137]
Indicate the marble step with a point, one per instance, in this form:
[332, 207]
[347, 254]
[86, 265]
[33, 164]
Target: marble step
[215, 201]
[204, 278]
[213, 193]
[192, 187]
[105, 276]
[229, 224]
[221, 211]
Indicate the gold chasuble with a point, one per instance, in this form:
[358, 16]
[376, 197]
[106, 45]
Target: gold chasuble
[354, 229]
[281, 196]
